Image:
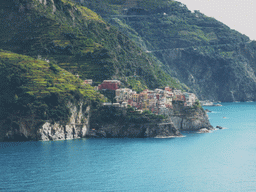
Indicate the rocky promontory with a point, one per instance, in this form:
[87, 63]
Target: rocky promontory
[190, 118]
[120, 123]
[180, 118]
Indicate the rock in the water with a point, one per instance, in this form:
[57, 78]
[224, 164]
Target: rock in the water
[219, 127]
[204, 130]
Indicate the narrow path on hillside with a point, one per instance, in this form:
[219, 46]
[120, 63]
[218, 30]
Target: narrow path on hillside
[194, 47]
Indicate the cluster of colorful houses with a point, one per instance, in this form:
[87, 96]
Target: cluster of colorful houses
[158, 101]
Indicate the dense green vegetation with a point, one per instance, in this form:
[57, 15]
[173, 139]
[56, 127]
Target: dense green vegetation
[34, 90]
[164, 24]
[78, 40]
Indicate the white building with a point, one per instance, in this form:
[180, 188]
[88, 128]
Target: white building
[177, 92]
[124, 104]
[124, 94]
[116, 104]
[190, 98]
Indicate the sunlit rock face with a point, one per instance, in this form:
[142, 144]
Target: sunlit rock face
[77, 127]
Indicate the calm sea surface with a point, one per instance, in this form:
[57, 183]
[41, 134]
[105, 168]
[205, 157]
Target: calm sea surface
[224, 160]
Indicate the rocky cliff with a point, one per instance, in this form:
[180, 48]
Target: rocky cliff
[76, 127]
[221, 73]
[180, 118]
[191, 123]
[189, 118]
[116, 130]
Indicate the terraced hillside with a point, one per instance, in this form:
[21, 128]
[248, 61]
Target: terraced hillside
[216, 62]
[78, 40]
[35, 90]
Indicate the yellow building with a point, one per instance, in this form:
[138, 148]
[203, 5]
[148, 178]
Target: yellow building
[144, 105]
[135, 98]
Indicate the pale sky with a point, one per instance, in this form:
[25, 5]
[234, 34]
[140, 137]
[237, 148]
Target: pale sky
[237, 14]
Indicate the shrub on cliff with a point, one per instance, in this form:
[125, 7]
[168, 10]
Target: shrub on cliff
[197, 105]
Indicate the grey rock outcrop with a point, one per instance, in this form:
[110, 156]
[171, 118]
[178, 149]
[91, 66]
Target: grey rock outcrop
[184, 123]
[189, 118]
[77, 127]
[204, 130]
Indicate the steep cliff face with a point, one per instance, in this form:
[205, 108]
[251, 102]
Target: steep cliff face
[76, 127]
[117, 130]
[189, 118]
[195, 123]
[220, 73]
[180, 118]
[171, 128]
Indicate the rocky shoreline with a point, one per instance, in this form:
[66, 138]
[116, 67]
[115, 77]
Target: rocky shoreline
[76, 127]
[169, 129]
[147, 130]
[180, 119]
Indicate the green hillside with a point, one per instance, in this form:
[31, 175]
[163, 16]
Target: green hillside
[164, 24]
[36, 90]
[78, 40]
[216, 62]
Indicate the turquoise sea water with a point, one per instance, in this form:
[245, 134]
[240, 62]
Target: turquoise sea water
[224, 160]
